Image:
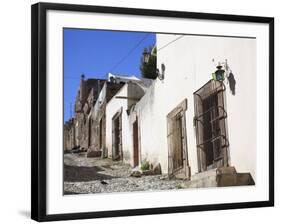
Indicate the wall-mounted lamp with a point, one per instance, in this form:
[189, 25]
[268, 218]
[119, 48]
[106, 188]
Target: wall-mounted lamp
[145, 56]
[219, 73]
[222, 71]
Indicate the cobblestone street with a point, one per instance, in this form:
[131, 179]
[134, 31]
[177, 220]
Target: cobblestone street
[84, 175]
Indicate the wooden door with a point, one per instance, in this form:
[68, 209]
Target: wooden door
[100, 134]
[177, 142]
[177, 149]
[116, 138]
[136, 143]
[119, 137]
[90, 133]
[117, 153]
[113, 139]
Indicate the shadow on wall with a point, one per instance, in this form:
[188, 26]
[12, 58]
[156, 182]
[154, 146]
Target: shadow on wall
[232, 83]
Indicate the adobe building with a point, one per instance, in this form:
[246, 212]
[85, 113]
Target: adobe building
[119, 139]
[198, 119]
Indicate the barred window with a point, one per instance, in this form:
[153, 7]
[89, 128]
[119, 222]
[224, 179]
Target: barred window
[210, 125]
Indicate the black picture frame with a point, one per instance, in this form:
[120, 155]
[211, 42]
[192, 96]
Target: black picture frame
[39, 122]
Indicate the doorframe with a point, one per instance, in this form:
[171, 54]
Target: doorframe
[183, 172]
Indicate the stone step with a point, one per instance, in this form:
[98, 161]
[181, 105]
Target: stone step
[220, 177]
[205, 174]
[238, 179]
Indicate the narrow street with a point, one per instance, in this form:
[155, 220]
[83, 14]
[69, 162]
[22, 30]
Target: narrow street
[84, 175]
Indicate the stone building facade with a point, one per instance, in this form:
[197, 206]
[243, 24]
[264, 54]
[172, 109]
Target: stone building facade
[85, 100]
[86, 130]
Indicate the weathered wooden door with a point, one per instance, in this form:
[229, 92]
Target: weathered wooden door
[90, 132]
[119, 137]
[136, 143]
[100, 134]
[177, 138]
[113, 139]
[115, 143]
[177, 142]
[117, 153]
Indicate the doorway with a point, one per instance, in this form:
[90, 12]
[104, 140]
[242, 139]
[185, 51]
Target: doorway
[90, 133]
[177, 142]
[100, 134]
[117, 153]
[136, 143]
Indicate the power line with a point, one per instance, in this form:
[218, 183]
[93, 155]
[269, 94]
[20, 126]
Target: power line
[166, 45]
[122, 59]
[129, 53]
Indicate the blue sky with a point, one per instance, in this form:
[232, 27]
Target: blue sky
[94, 53]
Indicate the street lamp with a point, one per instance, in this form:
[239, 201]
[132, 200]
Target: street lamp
[146, 56]
[219, 73]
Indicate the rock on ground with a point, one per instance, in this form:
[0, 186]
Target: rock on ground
[83, 175]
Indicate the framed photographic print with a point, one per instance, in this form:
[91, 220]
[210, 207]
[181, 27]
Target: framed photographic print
[140, 111]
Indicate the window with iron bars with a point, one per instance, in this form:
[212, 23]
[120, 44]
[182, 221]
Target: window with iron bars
[210, 126]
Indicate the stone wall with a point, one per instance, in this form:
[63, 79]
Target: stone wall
[69, 135]
[97, 116]
[86, 130]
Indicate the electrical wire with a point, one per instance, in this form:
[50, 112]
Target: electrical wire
[166, 45]
[129, 53]
[132, 50]
[122, 59]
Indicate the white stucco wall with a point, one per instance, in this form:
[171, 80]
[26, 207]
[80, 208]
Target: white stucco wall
[112, 107]
[189, 65]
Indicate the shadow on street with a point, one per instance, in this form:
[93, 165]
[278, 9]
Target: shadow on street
[83, 173]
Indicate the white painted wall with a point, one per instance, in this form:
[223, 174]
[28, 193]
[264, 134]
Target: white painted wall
[112, 107]
[189, 66]
[20, 212]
